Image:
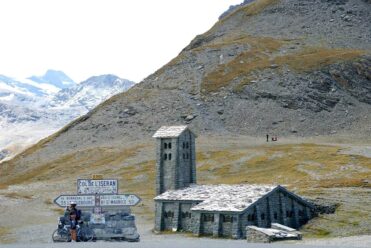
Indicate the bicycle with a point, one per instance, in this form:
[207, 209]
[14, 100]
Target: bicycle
[62, 234]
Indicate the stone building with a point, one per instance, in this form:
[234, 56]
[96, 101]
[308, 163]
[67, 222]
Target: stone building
[217, 210]
[176, 158]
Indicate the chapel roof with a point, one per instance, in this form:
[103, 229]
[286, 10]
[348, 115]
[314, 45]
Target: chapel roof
[222, 197]
[170, 131]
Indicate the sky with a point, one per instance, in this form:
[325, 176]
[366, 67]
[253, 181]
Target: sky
[83, 38]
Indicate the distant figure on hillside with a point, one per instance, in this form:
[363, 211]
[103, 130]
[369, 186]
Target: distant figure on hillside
[267, 137]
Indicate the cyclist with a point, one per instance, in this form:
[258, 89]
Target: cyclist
[74, 216]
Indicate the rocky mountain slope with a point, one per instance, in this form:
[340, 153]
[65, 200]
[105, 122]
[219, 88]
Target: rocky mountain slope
[270, 66]
[285, 67]
[34, 108]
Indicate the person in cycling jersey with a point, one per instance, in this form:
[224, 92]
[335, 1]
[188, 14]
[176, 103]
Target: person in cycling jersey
[74, 216]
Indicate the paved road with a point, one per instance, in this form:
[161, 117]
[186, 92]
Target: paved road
[170, 243]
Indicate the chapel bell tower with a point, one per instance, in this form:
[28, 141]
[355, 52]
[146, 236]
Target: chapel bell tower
[176, 158]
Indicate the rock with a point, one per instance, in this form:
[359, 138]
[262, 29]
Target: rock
[347, 18]
[293, 131]
[220, 111]
[190, 117]
[130, 111]
[3, 154]
[273, 66]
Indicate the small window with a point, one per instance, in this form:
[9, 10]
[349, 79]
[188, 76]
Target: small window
[169, 214]
[251, 217]
[301, 213]
[187, 156]
[165, 156]
[169, 156]
[183, 145]
[165, 145]
[227, 218]
[208, 217]
[169, 145]
[187, 145]
[275, 215]
[262, 216]
[186, 215]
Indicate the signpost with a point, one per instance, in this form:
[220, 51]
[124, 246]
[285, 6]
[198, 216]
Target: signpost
[101, 186]
[97, 194]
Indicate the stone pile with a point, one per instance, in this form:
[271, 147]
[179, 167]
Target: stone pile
[277, 232]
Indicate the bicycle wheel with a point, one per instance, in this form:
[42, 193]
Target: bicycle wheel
[85, 234]
[60, 236]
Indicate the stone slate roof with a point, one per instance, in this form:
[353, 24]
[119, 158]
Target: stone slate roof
[169, 131]
[223, 197]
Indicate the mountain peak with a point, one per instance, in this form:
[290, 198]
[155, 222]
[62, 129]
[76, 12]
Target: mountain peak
[54, 77]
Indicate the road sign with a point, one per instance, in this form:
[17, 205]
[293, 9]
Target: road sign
[98, 200]
[81, 200]
[119, 200]
[92, 186]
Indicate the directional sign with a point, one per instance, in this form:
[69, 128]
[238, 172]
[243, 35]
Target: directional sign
[91, 186]
[81, 200]
[119, 200]
[98, 200]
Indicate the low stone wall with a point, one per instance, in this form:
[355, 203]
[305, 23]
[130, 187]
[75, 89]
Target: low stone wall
[255, 236]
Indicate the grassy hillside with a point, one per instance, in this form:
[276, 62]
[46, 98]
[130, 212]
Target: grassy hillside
[308, 169]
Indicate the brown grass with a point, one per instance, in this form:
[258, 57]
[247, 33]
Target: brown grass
[257, 58]
[16, 195]
[314, 58]
[86, 161]
[305, 165]
[3, 186]
[4, 232]
[260, 57]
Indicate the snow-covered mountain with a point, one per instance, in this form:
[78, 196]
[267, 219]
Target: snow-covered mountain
[33, 108]
[57, 78]
[90, 92]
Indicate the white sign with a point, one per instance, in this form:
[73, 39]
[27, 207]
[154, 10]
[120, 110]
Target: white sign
[97, 219]
[119, 200]
[81, 200]
[97, 200]
[91, 186]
